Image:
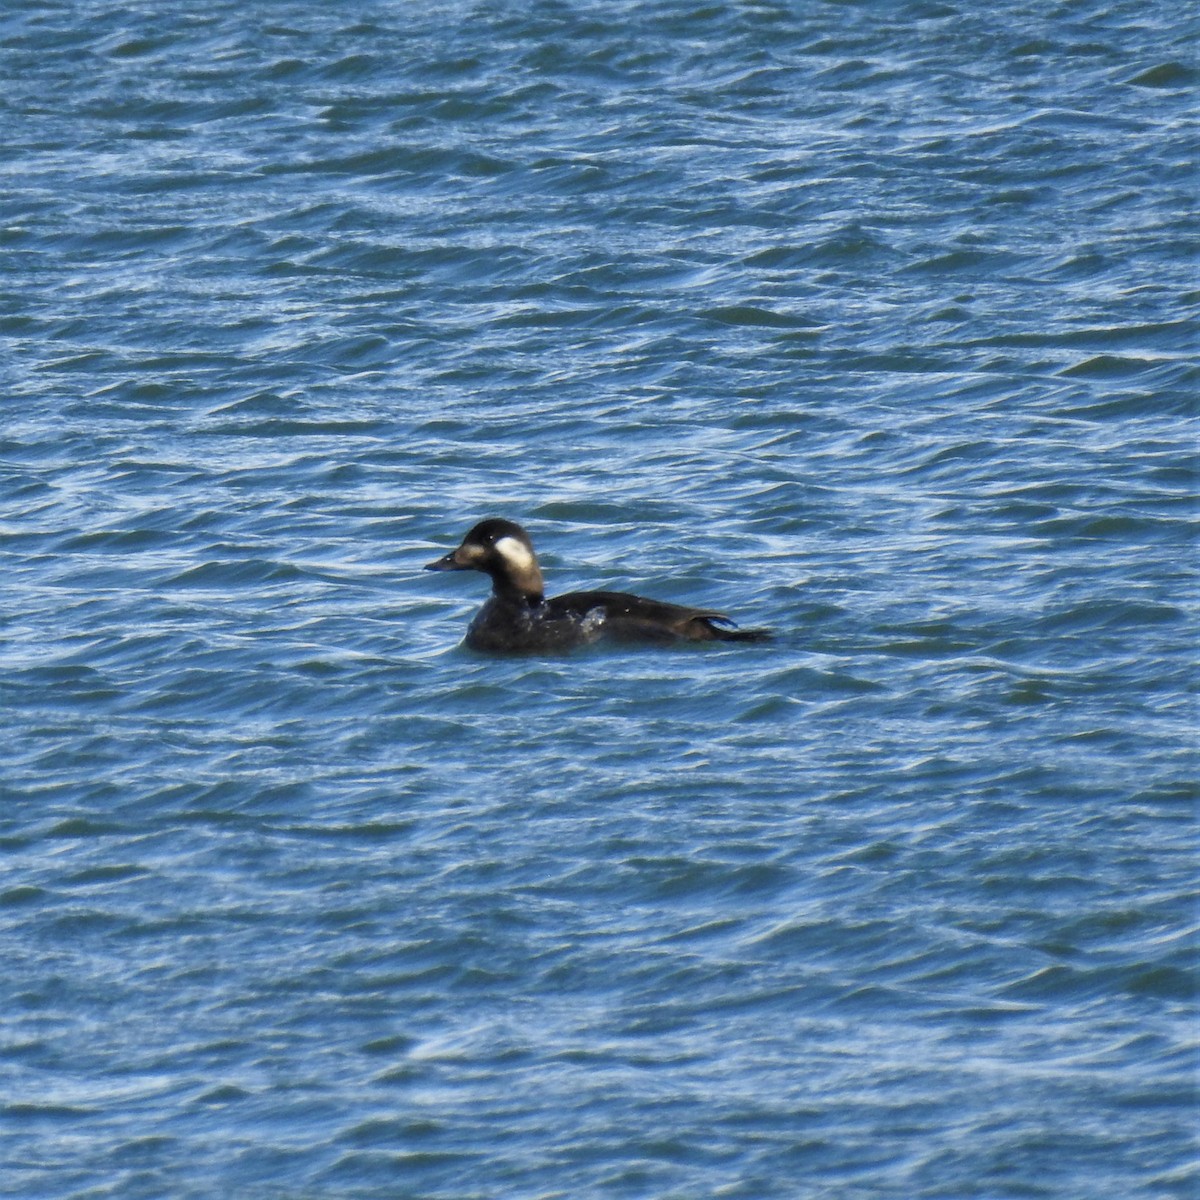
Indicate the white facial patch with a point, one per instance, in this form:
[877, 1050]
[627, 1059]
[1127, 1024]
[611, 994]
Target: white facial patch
[518, 556]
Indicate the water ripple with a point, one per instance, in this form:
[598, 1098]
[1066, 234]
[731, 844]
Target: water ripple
[872, 326]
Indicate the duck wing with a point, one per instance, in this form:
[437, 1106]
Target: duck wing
[640, 619]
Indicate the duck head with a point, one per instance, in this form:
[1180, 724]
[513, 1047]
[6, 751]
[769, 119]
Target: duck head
[502, 550]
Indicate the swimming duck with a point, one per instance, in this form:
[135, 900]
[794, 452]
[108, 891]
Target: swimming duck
[518, 617]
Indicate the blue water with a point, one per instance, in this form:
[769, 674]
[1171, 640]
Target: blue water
[870, 322]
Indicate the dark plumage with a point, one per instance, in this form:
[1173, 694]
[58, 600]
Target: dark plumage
[518, 617]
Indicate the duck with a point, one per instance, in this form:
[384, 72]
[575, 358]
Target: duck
[518, 618]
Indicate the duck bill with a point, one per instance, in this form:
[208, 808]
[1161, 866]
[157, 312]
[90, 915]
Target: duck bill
[447, 563]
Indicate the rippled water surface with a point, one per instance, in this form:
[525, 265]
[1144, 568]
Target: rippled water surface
[868, 322]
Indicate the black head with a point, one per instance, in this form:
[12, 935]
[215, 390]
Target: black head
[502, 550]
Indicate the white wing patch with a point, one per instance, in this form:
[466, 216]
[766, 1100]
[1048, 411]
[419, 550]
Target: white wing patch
[513, 552]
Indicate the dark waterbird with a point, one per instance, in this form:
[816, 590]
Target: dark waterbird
[518, 617]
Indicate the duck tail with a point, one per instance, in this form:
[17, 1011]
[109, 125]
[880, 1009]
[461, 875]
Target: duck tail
[724, 630]
[744, 635]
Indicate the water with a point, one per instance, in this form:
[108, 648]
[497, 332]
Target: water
[868, 322]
